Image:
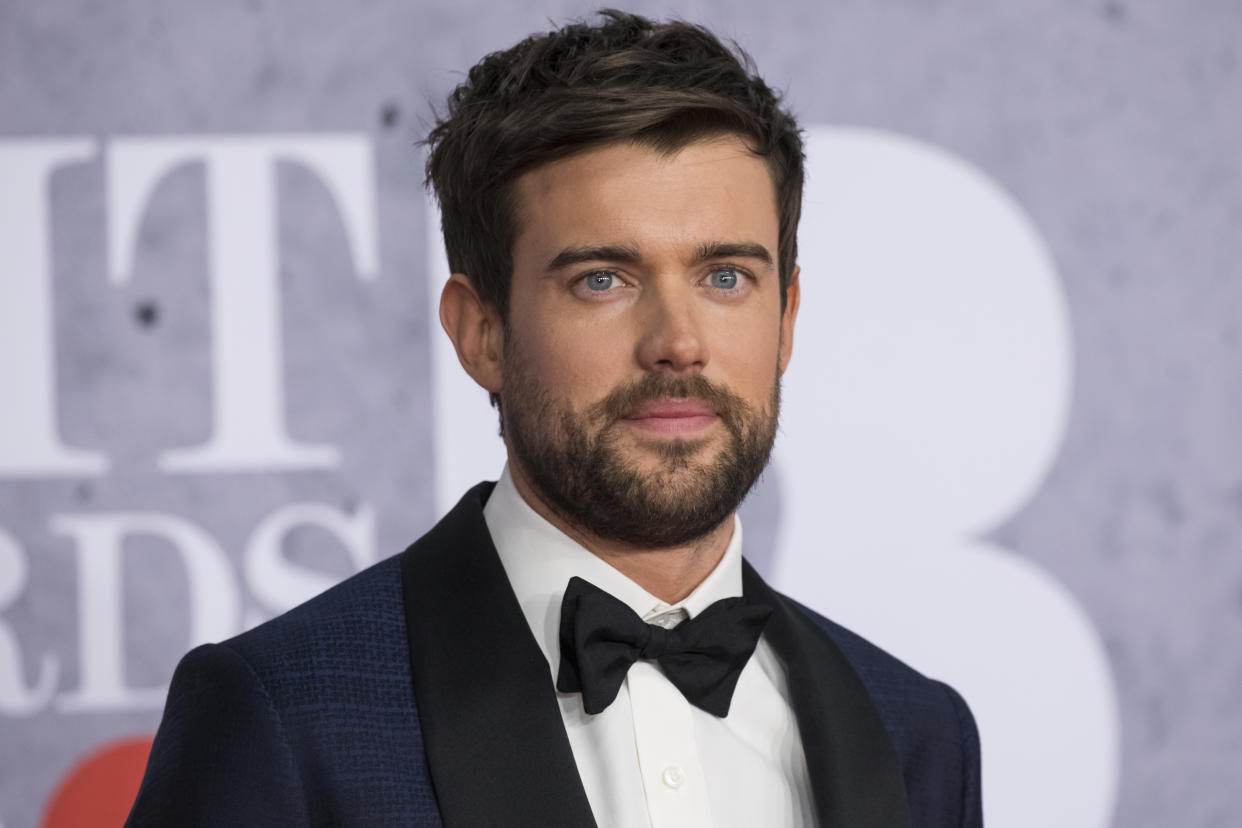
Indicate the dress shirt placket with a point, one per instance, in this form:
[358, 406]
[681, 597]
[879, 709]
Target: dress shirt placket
[668, 757]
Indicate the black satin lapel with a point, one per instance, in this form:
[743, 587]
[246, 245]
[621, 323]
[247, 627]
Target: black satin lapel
[495, 741]
[856, 777]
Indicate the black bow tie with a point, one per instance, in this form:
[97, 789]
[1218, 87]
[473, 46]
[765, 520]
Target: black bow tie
[601, 638]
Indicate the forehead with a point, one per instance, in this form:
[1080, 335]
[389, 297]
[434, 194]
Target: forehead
[710, 190]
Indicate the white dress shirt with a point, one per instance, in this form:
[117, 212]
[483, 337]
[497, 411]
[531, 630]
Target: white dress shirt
[652, 758]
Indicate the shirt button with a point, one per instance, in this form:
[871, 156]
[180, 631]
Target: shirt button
[673, 776]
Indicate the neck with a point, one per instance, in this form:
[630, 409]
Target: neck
[668, 573]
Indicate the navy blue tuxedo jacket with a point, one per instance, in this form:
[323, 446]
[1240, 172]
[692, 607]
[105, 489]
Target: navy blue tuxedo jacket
[414, 694]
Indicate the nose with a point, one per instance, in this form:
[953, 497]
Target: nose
[672, 338]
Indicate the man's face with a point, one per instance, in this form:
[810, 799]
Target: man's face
[646, 339]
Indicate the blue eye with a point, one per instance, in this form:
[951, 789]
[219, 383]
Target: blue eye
[723, 279]
[599, 281]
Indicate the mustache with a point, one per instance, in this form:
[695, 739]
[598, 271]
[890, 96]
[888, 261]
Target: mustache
[731, 408]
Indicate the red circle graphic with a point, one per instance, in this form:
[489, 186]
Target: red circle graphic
[98, 791]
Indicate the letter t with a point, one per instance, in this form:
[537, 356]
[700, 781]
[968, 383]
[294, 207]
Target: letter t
[249, 430]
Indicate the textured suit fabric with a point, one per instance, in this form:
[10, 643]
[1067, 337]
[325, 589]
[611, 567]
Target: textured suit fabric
[311, 719]
[930, 726]
[307, 720]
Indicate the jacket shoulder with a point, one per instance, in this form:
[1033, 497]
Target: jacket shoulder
[929, 723]
[357, 624]
[312, 712]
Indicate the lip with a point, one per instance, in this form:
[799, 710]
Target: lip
[672, 417]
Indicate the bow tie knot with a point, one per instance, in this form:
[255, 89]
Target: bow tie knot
[703, 657]
[656, 644]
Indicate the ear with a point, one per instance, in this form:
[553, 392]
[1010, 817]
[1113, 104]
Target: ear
[474, 327]
[789, 316]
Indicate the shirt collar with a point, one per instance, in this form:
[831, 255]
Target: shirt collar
[539, 560]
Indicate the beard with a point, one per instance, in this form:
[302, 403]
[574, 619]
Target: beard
[577, 464]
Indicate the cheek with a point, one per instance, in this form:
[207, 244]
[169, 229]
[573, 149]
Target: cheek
[749, 357]
[578, 366]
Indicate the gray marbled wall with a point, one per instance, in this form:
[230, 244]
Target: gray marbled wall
[1116, 125]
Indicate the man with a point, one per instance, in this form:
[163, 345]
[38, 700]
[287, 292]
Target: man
[582, 643]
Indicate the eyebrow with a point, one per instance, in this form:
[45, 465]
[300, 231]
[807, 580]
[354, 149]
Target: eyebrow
[594, 253]
[626, 254]
[732, 250]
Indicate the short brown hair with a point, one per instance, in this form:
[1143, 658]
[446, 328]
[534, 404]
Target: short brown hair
[625, 79]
